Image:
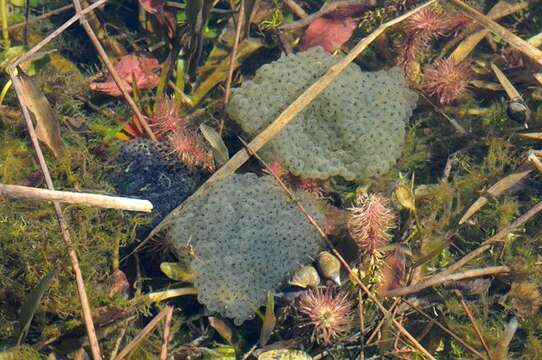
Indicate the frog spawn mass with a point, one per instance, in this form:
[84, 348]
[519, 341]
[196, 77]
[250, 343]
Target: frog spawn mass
[247, 237]
[355, 128]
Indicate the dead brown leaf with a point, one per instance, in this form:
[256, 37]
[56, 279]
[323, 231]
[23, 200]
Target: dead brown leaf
[47, 125]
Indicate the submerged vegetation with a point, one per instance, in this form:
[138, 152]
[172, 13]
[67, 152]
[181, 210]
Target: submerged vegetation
[395, 216]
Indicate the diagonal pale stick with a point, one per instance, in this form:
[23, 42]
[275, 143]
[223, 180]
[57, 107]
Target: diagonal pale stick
[70, 197]
[285, 117]
[511, 38]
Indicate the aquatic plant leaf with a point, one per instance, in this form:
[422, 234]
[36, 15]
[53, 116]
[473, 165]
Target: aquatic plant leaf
[405, 196]
[47, 125]
[32, 303]
[131, 68]
[222, 328]
[284, 354]
[269, 320]
[329, 33]
[246, 47]
[500, 186]
[177, 271]
[222, 352]
[152, 6]
[220, 151]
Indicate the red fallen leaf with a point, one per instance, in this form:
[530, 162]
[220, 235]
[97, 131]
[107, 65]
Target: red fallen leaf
[130, 68]
[152, 6]
[328, 32]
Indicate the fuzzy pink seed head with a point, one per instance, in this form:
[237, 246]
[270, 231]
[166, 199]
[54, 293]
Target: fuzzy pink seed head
[275, 168]
[328, 312]
[447, 80]
[166, 119]
[426, 24]
[190, 150]
[370, 222]
[311, 186]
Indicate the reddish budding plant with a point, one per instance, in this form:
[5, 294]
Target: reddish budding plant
[447, 80]
[328, 312]
[371, 222]
[189, 148]
[166, 119]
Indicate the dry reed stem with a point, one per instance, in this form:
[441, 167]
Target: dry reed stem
[41, 17]
[296, 8]
[474, 324]
[98, 200]
[111, 68]
[283, 119]
[167, 328]
[83, 298]
[142, 334]
[441, 278]
[28, 55]
[233, 59]
[445, 329]
[514, 40]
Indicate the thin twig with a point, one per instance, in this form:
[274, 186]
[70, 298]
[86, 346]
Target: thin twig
[361, 325]
[474, 324]
[233, 59]
[445, 329]
[295, 8]
[441, 278]
[326, 9]
[142, 334]
[284, 118]
[500, 236]
[30, 53]
[514, 40]
[41, 17]
[167, 328]
[98, 200]
[445, 274]
[83, 298]
[114, 74]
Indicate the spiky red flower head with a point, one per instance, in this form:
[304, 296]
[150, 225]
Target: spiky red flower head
[189, 148]
[458, 22]
[166, 120]
[370, 222]
[328, 312]
[426, 24]
[447, 80]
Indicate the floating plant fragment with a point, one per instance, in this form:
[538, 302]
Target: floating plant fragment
[370, 222]
[247, 238]
[284, 354]
[447, 80]
[131, 68]
[353, 129]
[328, 312]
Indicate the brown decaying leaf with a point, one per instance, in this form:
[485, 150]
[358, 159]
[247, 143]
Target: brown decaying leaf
[269, 320]
[222, 328]
[393, 272]
[131, 68]
[48, 127]
[500, 186]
